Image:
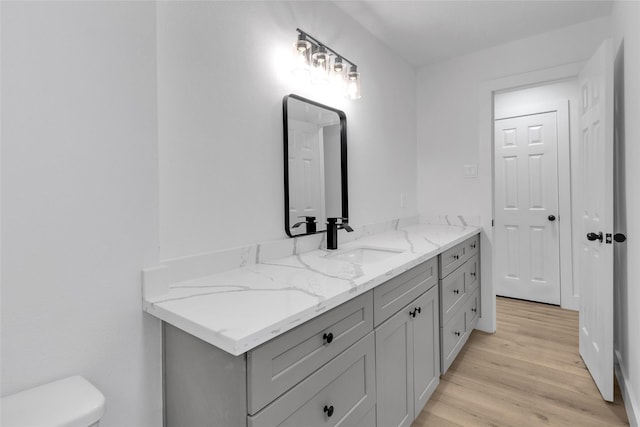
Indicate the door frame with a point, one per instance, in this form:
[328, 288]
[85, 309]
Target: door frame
[568, 299]
[485, 93]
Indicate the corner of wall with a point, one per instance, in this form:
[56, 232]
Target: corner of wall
[631, 402]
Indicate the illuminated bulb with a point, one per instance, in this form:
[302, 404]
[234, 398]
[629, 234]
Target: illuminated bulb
[320, 73]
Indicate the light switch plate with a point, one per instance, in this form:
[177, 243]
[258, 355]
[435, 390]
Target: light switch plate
[470, 171]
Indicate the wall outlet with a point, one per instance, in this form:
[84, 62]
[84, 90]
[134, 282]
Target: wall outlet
[470, 171]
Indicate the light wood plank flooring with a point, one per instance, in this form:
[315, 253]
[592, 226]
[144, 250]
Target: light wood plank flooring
[529, 373]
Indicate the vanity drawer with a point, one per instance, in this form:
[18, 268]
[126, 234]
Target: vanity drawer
[472, 308]
[393, 295]
[473, 245]
[453, 337]
[456, 256]
[284, 361]
[345, 387]
[472, 274]
[452, 294]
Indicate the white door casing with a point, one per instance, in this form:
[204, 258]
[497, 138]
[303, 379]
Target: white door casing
[526, 240]
[595, 198]
[306, 163]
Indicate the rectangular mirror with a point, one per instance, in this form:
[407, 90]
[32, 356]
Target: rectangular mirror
[315, 165]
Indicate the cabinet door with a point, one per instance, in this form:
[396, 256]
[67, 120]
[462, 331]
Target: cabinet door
[426, 348]
[394, 371]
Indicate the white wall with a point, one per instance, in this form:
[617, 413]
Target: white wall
[80, 187]
[625, 19]
[449, 104]
[447, 112]
[79, 200]
[222, 73]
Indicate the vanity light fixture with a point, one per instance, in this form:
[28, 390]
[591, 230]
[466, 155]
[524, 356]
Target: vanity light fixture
[324, 66]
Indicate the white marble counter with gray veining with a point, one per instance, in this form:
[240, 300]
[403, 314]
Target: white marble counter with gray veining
[239, 309]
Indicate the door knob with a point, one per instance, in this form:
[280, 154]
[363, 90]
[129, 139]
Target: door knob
[593, 236]
[619, 237]
[551, 218]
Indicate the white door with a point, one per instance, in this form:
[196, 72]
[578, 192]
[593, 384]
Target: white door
[306, 179]
[595, 205]
[526, 237]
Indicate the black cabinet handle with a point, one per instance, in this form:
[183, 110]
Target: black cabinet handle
[474, 309]
[473, 273]
[456, 256]
[457, 333]
[412, 313]
[328, 410]
[456, 291]
[328, 337]
[593, 236]
[551, 218]
[473, 246]
[419, 309]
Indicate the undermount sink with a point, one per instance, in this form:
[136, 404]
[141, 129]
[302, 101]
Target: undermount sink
[364, 255]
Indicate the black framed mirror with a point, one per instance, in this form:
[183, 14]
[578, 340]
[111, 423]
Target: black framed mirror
[315, 165]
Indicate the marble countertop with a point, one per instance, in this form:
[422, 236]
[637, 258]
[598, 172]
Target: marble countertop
[237, 310]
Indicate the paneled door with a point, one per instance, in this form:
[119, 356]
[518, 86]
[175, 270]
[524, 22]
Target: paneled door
[526, 229]
[306, 197]
[595, 205]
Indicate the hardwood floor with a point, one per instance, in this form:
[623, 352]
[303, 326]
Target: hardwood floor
[528, 373]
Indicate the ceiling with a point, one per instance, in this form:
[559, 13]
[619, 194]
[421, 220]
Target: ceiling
[427, 31]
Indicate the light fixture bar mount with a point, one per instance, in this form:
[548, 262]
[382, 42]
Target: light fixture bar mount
[319, 43]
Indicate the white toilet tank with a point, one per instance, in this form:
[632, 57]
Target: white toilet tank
[71, 402]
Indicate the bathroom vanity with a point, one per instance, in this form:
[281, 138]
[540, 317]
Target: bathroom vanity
[357, 337]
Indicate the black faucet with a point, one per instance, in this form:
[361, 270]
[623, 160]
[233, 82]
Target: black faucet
[310, 221]
[332, 230]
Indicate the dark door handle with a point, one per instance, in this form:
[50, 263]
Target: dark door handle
[551, 218]
[593, 236]
[619, 237]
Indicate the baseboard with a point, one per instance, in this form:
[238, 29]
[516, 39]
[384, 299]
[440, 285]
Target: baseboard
[630, 401]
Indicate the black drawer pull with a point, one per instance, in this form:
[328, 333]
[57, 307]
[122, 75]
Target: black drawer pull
[328, 410]
[419, 309]
[473, 273]
[474, 309]
[456, 291]
[457, 333]
[412, 313]
[456, 256]
[328, 337]
[473, 246]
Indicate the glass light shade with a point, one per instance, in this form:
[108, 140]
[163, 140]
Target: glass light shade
[353, 84]
[301, 57]
[338, 75]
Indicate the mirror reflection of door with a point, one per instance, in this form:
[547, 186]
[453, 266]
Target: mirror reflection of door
[315, 150]
[306, 163]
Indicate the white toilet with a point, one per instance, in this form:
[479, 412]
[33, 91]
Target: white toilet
[71, 402]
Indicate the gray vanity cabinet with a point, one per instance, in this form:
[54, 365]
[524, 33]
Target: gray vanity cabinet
[459, 297]
[407, 360]
[373, 361]
[321, 373]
